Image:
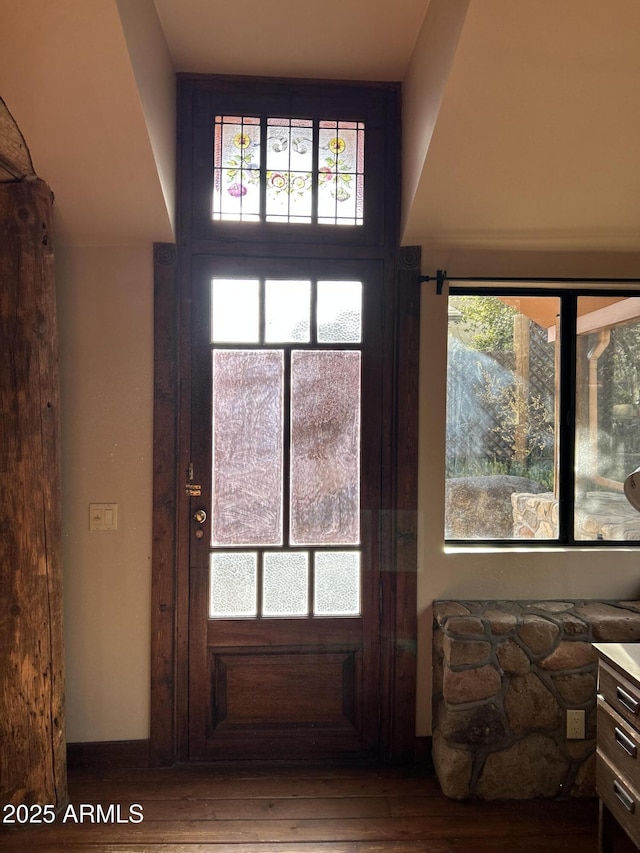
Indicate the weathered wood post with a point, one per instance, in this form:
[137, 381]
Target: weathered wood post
[521, 346]
[32, 731]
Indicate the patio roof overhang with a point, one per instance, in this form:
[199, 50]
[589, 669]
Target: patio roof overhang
[595, 313]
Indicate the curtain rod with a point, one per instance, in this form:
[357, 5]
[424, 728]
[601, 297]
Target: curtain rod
[441, 276]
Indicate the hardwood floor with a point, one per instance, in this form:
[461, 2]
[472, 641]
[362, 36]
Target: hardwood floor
[300, 810]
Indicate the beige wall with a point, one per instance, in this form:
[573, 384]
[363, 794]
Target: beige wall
[423, 88]
[105, 312]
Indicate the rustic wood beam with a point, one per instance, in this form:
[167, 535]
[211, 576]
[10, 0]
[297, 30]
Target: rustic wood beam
[32, 731]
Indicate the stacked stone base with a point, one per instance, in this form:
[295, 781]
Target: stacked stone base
[505, 673]
[599, 515]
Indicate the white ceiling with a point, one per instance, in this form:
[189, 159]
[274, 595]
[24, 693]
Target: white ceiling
[334, 39]
[535, 144]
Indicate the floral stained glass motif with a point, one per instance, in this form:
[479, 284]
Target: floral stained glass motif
[236, 172]
[288, 170]
[341, 173]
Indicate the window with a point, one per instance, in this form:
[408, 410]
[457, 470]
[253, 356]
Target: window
[275, 162]
[288, 170]
[286, 447]
[543, 415]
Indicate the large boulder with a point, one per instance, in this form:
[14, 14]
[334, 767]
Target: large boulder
[480, 507]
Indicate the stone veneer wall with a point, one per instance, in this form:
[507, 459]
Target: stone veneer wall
[504, 674]
[599, 515]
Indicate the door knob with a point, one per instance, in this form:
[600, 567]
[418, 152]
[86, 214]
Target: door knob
[200, 516]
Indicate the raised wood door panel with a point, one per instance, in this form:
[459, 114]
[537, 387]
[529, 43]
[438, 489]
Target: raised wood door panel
[269, 696]
[281, 689]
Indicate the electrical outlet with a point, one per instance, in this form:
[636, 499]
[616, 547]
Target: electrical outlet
[575, 725]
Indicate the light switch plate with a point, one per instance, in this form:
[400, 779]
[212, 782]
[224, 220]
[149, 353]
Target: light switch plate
[103, 516]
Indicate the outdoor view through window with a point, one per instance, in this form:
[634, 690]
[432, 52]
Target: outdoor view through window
[505, 436]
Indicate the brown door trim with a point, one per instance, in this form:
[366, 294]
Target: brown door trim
[162, 743]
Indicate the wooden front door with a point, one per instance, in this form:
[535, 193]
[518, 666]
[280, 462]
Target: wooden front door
[284, 646]
[284, 594]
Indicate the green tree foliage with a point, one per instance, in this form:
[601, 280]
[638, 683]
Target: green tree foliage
[512, 419]
[488, 320]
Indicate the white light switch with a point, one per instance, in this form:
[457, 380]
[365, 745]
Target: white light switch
[103, 516]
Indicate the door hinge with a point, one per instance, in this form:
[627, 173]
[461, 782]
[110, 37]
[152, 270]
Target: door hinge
[194, 490]
[380, 596]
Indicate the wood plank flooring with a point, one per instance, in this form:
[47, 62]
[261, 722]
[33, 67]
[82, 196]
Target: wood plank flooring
[300, 810]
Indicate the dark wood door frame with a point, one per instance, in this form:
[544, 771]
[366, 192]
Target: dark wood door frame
[169, 617]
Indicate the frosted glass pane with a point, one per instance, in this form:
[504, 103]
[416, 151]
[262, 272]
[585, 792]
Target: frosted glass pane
[233, 585]
[289, 195]
[247, 447]
[235, 310]
[325, 448]
[339, 312]
[236, 168]
[287, 311]
[337, 584]
[341, 173]
[285, 585]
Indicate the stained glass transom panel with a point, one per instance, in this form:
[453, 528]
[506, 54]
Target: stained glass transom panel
[289, 170]
[341, 173]
[247, 447]
[289, 193]
[325, 448]
[233, 584]
[236, 171]
[337, 583]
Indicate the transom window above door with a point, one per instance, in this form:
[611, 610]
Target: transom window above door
[306, 162]
[288, 170]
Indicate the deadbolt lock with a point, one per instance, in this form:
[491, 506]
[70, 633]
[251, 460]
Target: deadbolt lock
[200, 516]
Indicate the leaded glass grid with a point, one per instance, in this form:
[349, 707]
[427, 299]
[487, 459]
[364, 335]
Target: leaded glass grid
[289, 193]
[236, 171]
[341, 173]
[290, 170]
